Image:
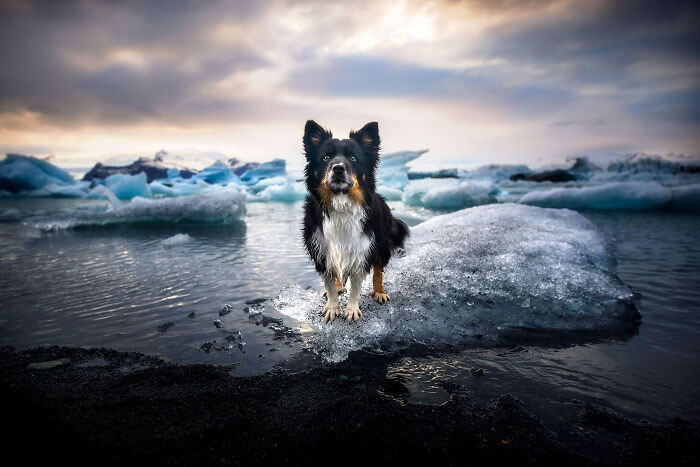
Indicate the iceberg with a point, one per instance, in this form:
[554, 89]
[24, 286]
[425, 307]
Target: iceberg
[289, 192]
[126, 186]
[393, 168]
[217, 173]
[449, 194]
[477, 276]
[223, 206]
[686, 198]
[154, 169]
[608, 196]
[20, 173]
[273, 168]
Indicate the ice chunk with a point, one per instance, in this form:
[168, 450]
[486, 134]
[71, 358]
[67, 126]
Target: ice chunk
[449, 193]
[175, 240]
[24, 173]
[686, 198]
[390, 194]
[225, 206]
[616, 195]
[289, 192]
[219, 172]
[181, 187]
[393, 168]
[273, 168]
[483, 272]
[496, 172]
[128, 186]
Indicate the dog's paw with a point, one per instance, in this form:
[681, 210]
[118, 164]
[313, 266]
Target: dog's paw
[380, 297]
[341, 291]
[352, 314]
[330, 313]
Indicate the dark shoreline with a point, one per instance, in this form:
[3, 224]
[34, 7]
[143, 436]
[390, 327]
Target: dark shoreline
[105, 406]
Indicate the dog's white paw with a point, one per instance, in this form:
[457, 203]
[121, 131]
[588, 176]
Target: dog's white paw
[352, 314]
[341, 291]
[330, 313]
[380, 297]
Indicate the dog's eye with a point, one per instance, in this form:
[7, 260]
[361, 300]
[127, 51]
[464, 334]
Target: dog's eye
[327, 158]
[353, 158]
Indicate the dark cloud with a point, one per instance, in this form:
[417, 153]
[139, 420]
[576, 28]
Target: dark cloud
[52, 56]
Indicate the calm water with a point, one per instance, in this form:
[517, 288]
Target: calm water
[123, 287]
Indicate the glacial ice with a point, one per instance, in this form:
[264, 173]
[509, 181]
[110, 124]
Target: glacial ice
[479, 275]
[273, 168]
[126, 186]
[393, 168]
[608, 196]
[449, 194]
[289, 192]
[25, 173]
[686, 198]
[217, 173]
[224, 206]
[176, 240]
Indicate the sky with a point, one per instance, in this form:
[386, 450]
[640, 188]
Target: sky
[476, 82]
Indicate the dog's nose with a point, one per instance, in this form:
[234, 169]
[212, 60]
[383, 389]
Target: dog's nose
[338, 169]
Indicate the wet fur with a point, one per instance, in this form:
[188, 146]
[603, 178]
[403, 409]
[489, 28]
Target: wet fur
[347, 229]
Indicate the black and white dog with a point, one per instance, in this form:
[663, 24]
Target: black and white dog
[348, 228]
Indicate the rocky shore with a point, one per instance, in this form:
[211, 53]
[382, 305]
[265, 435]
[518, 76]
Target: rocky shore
[107, 407]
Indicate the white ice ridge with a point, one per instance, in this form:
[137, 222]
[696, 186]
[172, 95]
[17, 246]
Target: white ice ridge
[222, 206]
[478, 274]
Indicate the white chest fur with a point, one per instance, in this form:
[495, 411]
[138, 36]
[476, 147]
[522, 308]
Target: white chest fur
[343, 243]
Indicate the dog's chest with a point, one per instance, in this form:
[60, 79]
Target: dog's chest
[344, 244]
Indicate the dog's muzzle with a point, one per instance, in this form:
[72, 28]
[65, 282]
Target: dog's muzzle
[339, 178]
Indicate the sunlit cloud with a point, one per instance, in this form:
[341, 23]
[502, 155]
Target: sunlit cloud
[474, 81]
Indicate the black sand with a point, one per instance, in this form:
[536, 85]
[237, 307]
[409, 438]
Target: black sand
[101, 406]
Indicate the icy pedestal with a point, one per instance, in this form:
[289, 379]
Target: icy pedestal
[476, 275]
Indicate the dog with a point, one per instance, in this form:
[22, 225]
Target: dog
[348, 228]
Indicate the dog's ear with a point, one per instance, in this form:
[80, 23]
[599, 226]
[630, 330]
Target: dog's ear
[368, 137]
[314, 136]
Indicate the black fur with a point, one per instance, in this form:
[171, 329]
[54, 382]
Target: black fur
[360, 156]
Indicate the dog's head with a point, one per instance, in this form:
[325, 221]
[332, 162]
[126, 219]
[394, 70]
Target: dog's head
[336, 166]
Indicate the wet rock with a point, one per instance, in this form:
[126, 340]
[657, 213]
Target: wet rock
[48, 365]
[256, 301]
[226, 309]
[192, 315]
[164, 327]
[476, 372]
[218, 323]
[153, 168]
[206, 347]
[555, 176]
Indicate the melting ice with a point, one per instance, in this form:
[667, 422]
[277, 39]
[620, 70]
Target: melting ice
[478, 274]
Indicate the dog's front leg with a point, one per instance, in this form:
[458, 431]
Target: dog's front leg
[352, 311]
[332, 308]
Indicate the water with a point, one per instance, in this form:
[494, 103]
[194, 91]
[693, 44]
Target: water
[126, 287]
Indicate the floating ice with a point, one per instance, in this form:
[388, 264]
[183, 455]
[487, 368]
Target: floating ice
[477, 275]
[24, 173]
[126, 186]
[218, 172]
[222, 206]
[616, 195]
[449, 193]
[289, 192]
[177, 187]
[273, 168]
[393, 168]
[175, 240]
[686, 198]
